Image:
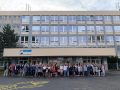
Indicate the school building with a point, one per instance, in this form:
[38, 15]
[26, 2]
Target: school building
[63, 36]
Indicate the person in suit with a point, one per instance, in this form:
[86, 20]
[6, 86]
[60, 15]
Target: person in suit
[6, 70]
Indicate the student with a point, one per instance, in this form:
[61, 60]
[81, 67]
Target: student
[39, 69]
[6, 70]
[83, 69]
[93, 70]
[61, 69]
[88, 70]
[53, 70]
[24, 70]
[49, 70]
[10, 70]
[98, 70]
[68, 71]
[56, 69]
[30, 70]
[44, 70]
[65, 69]
[78, 70]
[13, 70]
[36, 70]
[33, 70]
[21, 69]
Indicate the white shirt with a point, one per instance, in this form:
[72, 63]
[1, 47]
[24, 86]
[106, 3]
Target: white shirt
[65, 68]
[44, 67]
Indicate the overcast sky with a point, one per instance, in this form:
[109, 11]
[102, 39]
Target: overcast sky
[61, 5]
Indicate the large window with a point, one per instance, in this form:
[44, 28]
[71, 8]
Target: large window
[24, 39]
[45, 28]
[107, 18]
[25, 18]
[36, 18]
[81, 28]
[90, 29]
[100, 39]
[72, 18]
[82, 39]
[63, 40]
[109, 39]
[63, 18]
[44, 39]
[117, 39]
[54, 18]
[25, 28]
[90, 18]
[108, 29]
[35, 39]
[73, 39]
[91, 39]
[99, 29]
[54, 28]
[0, 17]
[98, 19]
[63, 28]
[35, 28]
[117, 28]
[116, 18]
[53, 39]
[45, 18]
[72, 28]
[81, 18]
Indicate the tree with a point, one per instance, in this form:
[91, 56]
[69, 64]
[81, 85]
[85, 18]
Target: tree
[8, 38]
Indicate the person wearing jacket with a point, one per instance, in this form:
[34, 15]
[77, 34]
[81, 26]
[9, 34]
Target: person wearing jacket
[6, 70]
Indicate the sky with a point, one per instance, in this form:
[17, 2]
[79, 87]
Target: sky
[59, 5]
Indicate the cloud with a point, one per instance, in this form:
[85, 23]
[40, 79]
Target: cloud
[61, 5]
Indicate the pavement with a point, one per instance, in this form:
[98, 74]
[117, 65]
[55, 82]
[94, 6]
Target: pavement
[110, 82]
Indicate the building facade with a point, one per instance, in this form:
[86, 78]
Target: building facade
[58, 36]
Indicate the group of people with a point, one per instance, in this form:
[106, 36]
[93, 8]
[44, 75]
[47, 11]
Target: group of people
[55, 69]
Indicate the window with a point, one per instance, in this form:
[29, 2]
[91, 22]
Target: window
[81, 28]
[24, 39]
[117, 28]
[100, 39]
[82, 39]
[72, 28]
[14, 27]
[35, 39]
[90, 18]
[109, 39]
[1, 63]
[117, 39]
[63, 18]
[14, 17]
[5, 17]
[98, 19]
[54, 18]
[45, 18]
[116, 18]
[44, 39]
[63, 28]
[45, 28]
[18, 17]
[72, 18]
[18, 28]
[54, 28]
[53, 39]
[35, 28]
[107, 18]
[108, 29]
[9, 17]
[25, 18]
[25, 28]
[99, 29]
[0, 17]
[81, 18]
[36, 18]
[63, 40]
[90, 29]
[91, 39]
[73, 39]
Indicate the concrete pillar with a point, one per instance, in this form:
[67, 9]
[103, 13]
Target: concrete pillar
[105, 63]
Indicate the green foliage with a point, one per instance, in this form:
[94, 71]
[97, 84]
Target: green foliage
[8, 38]
[113, 59]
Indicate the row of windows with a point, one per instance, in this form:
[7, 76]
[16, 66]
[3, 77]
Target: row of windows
[71, 39]
[64, 18]
[71, 18]
[71, 28]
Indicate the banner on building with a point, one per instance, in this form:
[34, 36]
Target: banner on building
[25, 52]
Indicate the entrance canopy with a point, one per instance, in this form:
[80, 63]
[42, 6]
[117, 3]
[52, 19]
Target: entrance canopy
[31, 52]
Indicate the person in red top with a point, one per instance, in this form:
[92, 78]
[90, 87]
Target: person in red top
[53, 70]
[13, 69]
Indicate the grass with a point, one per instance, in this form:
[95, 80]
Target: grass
[1, 71]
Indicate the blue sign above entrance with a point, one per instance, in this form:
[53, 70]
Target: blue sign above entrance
[25, 52]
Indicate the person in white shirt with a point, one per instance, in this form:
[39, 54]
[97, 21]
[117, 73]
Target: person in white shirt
[65, 69]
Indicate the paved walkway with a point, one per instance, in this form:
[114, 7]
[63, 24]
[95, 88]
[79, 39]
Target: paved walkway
[110, 82]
